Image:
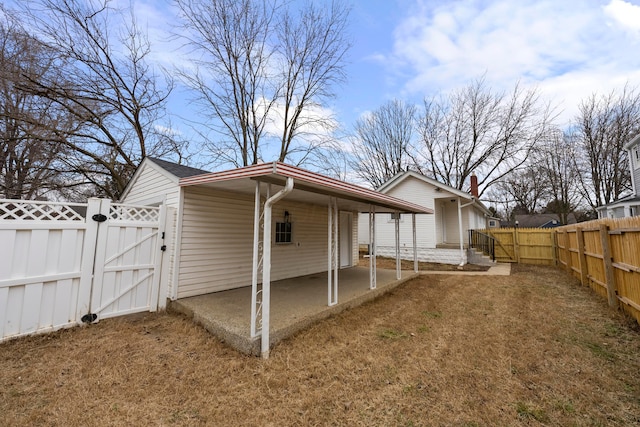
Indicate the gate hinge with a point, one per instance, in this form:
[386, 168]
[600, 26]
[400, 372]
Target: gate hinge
[89, 318]
[99, 217]
[163, 248]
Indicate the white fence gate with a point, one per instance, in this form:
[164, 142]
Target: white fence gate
[64, 263]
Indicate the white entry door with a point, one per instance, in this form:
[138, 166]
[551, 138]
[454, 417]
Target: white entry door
[345, 232]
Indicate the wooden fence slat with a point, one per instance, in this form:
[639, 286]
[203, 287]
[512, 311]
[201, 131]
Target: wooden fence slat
[582, 257]
[608, 266]
[607, 261]
[567, 248]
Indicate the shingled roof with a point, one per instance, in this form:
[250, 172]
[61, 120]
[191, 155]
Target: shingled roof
[180, 171]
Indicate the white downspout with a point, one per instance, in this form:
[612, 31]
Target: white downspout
[266, 266]
[462, 257]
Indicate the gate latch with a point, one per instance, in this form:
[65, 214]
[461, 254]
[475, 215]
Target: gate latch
[163, 248]
[99, 217]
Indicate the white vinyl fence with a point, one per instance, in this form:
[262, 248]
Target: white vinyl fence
[66, 263]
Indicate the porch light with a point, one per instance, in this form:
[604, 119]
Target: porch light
[286, 217]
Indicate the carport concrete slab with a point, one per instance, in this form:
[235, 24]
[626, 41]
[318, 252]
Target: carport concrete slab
[295, 304]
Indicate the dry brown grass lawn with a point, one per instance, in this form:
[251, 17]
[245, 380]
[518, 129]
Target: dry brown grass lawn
[533, 348]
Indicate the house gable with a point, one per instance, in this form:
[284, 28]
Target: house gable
[156, 180]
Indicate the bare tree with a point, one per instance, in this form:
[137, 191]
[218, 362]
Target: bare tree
[524, 189]
[231, 42]
[478, 130]
[263, 72]
[113, 93]
[29, 154]
[604, 125]
[557, 169]
[312, 47]
[382, 140]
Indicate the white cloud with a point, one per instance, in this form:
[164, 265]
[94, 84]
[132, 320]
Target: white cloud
[569, 49]
[625, 14]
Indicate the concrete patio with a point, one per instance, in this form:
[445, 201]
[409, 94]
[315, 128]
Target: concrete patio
[295, 304]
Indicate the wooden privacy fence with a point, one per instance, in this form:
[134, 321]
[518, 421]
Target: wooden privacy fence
[524, 245]
[605, 255]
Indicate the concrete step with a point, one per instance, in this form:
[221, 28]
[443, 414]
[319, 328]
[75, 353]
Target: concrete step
[476, 257]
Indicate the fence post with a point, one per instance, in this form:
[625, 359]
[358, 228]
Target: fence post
[608, 266]
[516, 245]
[582, 256]
[554, 247]
[88, 257]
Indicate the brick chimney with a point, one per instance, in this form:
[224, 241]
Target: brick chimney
[474, 185]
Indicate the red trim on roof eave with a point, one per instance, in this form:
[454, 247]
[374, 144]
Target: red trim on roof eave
[278, 168]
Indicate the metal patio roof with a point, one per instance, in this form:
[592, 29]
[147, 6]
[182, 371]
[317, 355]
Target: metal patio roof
[307, 186]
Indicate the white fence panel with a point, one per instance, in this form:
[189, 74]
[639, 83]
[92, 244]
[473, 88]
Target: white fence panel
[41, 247]
[56, 267]
[128, 258]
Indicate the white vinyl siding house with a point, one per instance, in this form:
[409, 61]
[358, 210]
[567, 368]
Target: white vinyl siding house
[629, 205]
[438, 235]
[156, 182]
[213, 231]
[224, 220]
[217, 241]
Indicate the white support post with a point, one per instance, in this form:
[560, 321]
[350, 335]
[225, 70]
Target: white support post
[168, 226]
[157, 270]
[397, 232]
[415, 243]
[460, 231]
[372, 247]
[332, 252]
[266, 266]
[256, 268]
[463, 258]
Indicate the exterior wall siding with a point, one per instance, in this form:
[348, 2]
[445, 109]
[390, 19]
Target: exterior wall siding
[217, 241]
[153, 186]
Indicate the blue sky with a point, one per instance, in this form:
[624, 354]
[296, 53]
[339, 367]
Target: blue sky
[412, 49]
[568, 49]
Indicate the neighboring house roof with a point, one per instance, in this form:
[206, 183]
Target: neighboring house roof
[631, 199]
[633, 141]
[400, 177]
[542, 220]
[307, 186]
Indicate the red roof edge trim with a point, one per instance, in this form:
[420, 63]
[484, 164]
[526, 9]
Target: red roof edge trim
[282, 169]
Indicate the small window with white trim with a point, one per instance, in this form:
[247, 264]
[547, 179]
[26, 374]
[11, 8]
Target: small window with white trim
[284, 229]
[283, 232]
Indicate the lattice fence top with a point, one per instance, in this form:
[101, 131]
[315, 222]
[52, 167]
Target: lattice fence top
[119, 212]
[29, 210]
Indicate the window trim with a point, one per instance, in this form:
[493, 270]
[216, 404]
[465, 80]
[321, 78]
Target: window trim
[279, 234]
